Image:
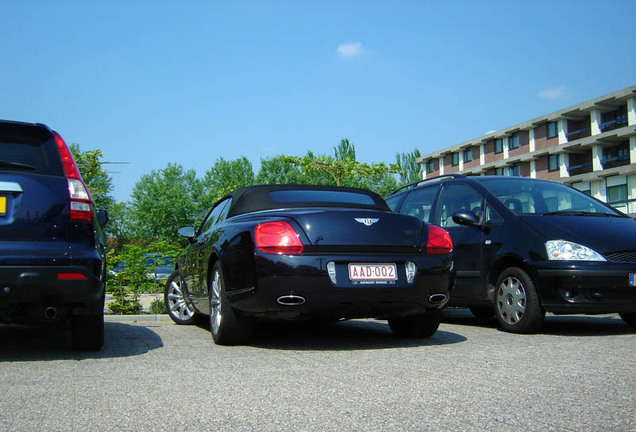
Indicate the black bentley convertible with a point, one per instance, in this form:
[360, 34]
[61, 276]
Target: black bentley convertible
[290, 252]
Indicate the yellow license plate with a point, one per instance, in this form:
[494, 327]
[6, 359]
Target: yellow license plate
[3, 205]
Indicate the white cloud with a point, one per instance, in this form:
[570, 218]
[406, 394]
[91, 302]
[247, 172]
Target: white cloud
[553, 93]
[348, 50]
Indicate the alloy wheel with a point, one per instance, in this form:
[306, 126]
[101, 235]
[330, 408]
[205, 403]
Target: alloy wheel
[178, 308]
[215, 303]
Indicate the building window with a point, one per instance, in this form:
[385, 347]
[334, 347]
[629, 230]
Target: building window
[455, 161]
[468, 155]
[500, 171]
[614, 119]
[584, 187]
[514, 170]
[513, 141]
[499, 145]
[620, 153]
[554, 162]
[430, 166]
[553, 129]
[617, 194]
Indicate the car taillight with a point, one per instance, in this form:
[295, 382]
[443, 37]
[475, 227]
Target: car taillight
[277, 237]
[71, 276]
[439, 241]
[80, 198]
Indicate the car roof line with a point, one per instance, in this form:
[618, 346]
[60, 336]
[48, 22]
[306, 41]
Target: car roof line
[427, 180]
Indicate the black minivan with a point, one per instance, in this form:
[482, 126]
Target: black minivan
[524, 247]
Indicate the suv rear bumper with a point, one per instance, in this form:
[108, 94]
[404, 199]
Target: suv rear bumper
[41, 284]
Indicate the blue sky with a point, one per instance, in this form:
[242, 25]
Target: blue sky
[155, 82]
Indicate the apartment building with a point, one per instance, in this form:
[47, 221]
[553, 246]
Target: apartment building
[590, 146]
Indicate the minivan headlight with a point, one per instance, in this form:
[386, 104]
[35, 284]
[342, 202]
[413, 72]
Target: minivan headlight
[563, 250]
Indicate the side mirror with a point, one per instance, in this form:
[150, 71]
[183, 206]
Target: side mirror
[187, 232]
[102, 217]
[466, 218]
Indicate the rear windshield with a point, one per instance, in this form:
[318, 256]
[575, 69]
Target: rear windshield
[320, 196]
[28, 149]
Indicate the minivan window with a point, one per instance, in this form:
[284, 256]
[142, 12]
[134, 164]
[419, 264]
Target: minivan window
[492, 217]
[456, 197]
[419, 203]
[539, 197]
[393, 201]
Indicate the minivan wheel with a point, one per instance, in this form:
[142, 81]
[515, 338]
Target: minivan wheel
[629, 318]
[416, 326]
[226, 326]
[179, 309]
[517, 305]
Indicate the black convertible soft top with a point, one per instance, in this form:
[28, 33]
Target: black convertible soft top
[270, 197]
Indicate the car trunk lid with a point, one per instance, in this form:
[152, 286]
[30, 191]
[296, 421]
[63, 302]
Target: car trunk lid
[362, 229]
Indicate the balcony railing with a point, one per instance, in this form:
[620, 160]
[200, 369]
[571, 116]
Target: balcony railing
[616, 161]
[618, 122]
[580, 168]
[578, 134]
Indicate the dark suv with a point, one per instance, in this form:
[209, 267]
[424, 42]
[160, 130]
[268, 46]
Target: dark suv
[524, 247]
[52, 267]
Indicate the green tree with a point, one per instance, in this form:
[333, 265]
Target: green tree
[408, 170]
[382, 183]
[343, 169]
[224, 177]
[120, 224]
[345, 150]
[164, 201]
[276, 170]
[97, 180]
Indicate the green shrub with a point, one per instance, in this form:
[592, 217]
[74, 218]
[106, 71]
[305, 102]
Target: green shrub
[124, 306]
[158, 307]
[126, 285]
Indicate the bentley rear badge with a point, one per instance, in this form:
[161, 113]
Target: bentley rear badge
[367, 221]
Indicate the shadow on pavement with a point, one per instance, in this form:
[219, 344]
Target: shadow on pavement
[30, 343]
[341, 336]
[556, 325]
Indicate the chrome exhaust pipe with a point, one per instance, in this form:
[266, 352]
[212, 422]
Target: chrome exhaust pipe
[290, 300]
[50, 313]
[437, 298]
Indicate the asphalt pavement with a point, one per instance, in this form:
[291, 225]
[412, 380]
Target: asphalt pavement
[153, 375]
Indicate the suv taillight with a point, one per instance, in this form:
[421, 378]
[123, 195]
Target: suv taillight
[439, 241]
[80, 198]
[277, 237]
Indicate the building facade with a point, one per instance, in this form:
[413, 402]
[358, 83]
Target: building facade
[590, 146]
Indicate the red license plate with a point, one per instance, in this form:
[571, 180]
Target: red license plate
[372, 272]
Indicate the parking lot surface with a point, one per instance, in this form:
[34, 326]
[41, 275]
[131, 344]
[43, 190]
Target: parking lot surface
[152, 375]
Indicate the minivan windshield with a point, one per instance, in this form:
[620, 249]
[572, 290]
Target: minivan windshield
[528, 196]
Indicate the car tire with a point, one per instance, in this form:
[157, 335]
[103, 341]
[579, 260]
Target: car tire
[87, 332]
[628, 318]
[227, 327]
[517, 305]
[180, 311]
[416, 326]
[482, 313]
